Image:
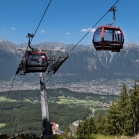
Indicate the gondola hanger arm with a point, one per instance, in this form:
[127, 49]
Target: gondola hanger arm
[30, 36]
[112, 9]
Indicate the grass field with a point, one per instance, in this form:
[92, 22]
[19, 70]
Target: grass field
[5, 99]
[97, 109]
[27, 100]
[2, 125]
[77, 102]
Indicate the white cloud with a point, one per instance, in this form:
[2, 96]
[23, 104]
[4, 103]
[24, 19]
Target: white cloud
[93, 30]
[88, 29]
[12, 28]
[42, 31]
[84, 30]
[67, 33]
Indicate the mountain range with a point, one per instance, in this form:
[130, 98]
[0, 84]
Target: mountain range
[84, 62]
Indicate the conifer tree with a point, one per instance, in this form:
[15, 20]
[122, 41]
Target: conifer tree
[91, 126]
[98, 123]
[79, 130]
[137, 91]
[113, 120]
[101, 124]
[86, 128]
[104, 126]
[119, 118]
[134, 97]
[123, 103]
[128, 128]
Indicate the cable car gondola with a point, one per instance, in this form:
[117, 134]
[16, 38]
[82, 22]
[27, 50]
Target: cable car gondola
[108, 37]
[34, 61]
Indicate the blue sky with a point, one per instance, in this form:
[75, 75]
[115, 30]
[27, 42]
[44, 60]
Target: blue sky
[66, 20]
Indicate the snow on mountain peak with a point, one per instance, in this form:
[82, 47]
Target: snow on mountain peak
[130, 45]
[3, 40]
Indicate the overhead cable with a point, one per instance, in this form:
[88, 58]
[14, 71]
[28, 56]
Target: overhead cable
[42, 18]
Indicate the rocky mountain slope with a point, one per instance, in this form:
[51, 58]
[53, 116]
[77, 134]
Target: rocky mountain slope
[84, 63]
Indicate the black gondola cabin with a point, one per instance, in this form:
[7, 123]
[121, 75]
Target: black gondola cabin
[109, 38]
[35, 61]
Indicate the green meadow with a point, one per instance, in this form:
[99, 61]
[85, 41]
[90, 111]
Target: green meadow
[3, 99]
[78, 102]
[2, 125]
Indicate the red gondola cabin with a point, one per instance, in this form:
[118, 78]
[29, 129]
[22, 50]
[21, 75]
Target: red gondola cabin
[109, 38]
[35, 61]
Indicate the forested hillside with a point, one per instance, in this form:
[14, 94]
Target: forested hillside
[25, 117]
[22, 111]
[121, 119]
